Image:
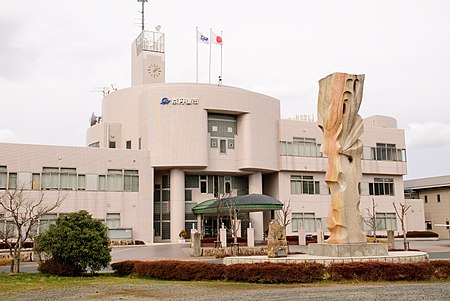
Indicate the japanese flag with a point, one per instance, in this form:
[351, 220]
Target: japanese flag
[215, 39]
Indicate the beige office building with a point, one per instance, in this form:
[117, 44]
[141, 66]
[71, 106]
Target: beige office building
[435, 193]
[159, 149]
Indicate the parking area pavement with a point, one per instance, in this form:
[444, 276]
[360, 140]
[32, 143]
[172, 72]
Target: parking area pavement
[439, 249]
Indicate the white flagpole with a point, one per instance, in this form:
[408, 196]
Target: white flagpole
[221, 76]
[210, 43]
[196, 58]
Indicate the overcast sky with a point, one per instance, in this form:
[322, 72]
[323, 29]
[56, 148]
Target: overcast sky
[54, 53]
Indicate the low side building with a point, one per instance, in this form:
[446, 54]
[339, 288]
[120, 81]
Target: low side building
[434, 192]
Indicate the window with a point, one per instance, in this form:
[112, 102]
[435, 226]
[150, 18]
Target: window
[426, 198]
[386, 221]
[120, 180]
[438, 198]
[387, 152]
[222, 125]
[46, 220]
[304, 185]
[128, 144]
[36, 181]
[81, 182]
[223, 146]
[227, 184]
[131, 180]
[115, 180]
[102, 182]
[213, 142]
[58, 178]
[300, 147]
[306, 221]
[165, 181]
[382, 186]
[50, 178]
[113, 220]
[3, 177]
[191, 181]
[112, 144]
[140, 143]
[203, 184]
[68, 178]
[12, 180]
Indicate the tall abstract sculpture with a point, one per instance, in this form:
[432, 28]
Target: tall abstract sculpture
[340, 97]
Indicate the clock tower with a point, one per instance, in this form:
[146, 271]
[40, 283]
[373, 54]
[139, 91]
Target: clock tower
[148, 59]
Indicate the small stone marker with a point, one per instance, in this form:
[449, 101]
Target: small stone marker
[196, 243]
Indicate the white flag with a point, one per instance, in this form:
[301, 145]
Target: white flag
[202, 38]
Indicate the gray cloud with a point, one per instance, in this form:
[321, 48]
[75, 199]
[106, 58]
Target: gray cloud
[428, 135]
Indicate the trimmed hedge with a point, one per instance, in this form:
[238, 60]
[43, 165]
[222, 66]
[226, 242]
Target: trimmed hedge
[412, 234]
[441, 269]
[275, 272]
[124, 268]
[285, 273]
[379, 271]
[179, 270]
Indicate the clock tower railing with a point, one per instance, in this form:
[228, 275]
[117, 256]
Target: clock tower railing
[150, 41]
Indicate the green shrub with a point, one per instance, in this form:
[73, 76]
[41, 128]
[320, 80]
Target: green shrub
[78, 241]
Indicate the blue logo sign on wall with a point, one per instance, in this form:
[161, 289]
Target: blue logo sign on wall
[165, 101]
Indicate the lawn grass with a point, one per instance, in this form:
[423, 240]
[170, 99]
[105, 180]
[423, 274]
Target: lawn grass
[31, 281]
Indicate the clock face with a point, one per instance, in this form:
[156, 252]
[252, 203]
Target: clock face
[154, 70]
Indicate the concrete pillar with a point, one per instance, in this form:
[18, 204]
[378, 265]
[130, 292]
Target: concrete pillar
[176, 203]
[199, 224]
[301, 237]
[250, 237]
[255, 186]
[223, 237]
[320, 236]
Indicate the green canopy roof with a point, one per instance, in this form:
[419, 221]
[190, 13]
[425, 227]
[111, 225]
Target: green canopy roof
[244, 203]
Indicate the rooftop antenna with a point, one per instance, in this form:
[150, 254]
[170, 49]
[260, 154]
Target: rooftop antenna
[142, 12]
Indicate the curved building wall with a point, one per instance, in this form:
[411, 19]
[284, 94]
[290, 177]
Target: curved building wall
[177, 134]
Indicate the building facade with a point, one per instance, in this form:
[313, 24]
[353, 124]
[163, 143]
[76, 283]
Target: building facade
[161, 148]
[435, 194]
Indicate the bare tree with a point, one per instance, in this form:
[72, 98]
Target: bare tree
[401, 214]
[219, 204]
[23, 213]
[283, 215]
[372, 221]
[233, 213]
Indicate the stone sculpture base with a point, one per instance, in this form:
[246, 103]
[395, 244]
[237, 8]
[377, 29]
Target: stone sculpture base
[348, 250]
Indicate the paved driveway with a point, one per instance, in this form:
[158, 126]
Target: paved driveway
[436, 249]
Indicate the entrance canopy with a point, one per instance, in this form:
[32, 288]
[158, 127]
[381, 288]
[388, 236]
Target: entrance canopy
[244, 203]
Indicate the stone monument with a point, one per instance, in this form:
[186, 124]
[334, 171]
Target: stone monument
[340, 96]
[277, 243]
